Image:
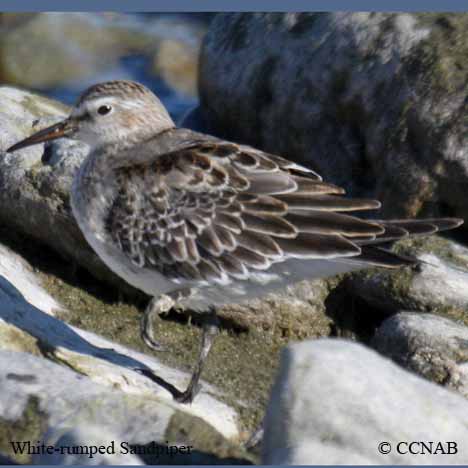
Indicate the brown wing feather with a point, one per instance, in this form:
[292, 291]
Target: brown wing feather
[216, 210]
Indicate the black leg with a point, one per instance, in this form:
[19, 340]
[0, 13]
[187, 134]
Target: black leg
[155, 308]
[210, 330]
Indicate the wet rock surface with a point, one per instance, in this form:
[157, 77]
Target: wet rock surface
[334, 402]
[375, 102]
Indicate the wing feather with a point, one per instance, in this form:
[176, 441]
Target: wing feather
[212, 211]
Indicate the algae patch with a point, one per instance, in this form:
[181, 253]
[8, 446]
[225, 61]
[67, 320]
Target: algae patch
[29, 427]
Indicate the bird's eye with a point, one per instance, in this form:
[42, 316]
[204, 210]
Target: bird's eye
[103, 110]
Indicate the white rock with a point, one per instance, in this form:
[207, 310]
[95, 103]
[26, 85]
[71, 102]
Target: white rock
[91, 447]
[440, 281]
[433, 346]
[30, 327]
[335, 401]
[69, 399]
[18, 280]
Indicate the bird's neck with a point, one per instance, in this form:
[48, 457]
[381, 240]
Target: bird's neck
[129, 151]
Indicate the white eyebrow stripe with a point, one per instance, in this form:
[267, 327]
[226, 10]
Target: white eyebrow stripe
[90, 106]
[98, 102]
[127, 104]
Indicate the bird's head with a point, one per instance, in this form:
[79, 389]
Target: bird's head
[114, 112]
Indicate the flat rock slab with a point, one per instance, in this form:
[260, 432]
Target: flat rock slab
[42, 400]
[55, 377]
[432, 346]
[336, 402]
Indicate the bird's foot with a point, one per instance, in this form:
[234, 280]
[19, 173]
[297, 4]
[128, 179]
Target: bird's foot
[188, 395]
[210, 331]
[153, 312]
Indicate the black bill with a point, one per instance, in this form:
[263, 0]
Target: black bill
[59, 130]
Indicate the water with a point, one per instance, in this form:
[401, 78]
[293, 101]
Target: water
[66, 53]
[132, 67]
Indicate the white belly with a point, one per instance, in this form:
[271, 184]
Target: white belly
[90, 214]
[149, 281]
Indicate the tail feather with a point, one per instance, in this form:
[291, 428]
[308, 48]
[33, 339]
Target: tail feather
[372, 253]
[378, 256]
[401, 228]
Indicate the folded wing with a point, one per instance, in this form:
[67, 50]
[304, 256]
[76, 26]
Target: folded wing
[213, 211]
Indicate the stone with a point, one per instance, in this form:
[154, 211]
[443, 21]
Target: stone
[175, 59]
[374, 102]
[295, 312]
[43, 401]
[437, 285]
[55, 376]
[336, 402]
[159, 50]
[35, 182]
[432, 346]
[98, 448]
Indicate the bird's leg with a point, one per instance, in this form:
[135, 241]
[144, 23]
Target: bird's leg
[255, 439]
[210, 330]
[153, 311]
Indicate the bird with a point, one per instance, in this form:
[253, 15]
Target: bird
[198, 221]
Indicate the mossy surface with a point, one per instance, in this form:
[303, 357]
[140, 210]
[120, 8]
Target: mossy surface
[29, 427]
[242, 364]
[15, 339]
[443, 54]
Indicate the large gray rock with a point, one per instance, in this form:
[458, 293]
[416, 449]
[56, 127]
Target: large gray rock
[336, 402]
[432, 346]
[376, 102]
